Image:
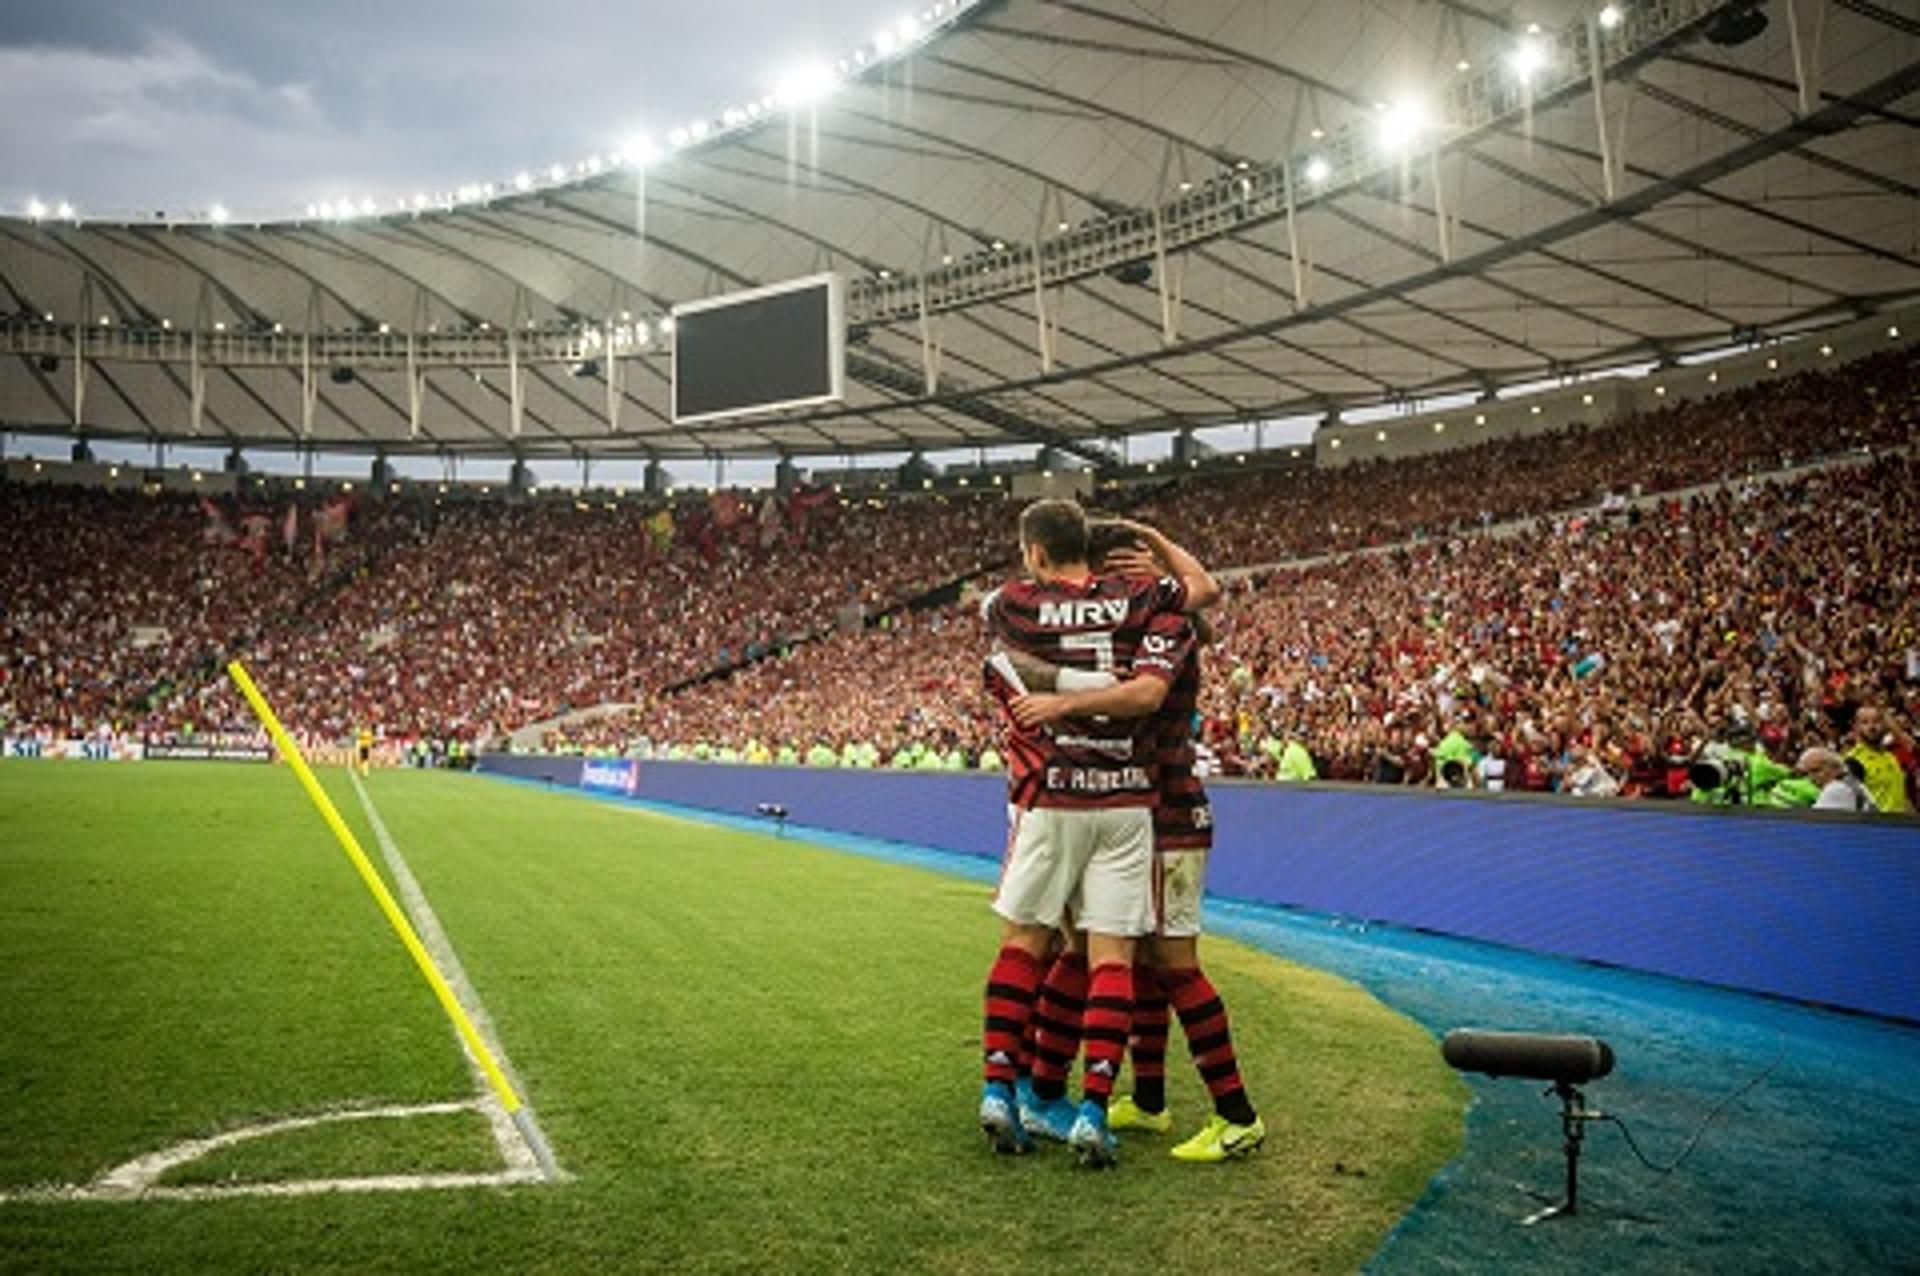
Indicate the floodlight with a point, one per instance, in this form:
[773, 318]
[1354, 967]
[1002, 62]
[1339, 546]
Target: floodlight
[521, 181]
[65, 211]
[803, 86]
[217, 214]
[36, 210]
[1529, 56]
[1401, 125]
[1610, 17]
[884, 42]
[1318, 170]
[557, 173]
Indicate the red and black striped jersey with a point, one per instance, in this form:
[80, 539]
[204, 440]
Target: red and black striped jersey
[1101, 623]
[1182, 817]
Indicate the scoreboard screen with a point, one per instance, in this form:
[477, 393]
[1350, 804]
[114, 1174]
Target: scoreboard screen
[782, 346]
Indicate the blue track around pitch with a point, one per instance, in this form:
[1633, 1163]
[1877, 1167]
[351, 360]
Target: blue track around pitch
[1815, 1169]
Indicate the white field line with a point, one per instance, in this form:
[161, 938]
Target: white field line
[516, 1141]
[139, 1179]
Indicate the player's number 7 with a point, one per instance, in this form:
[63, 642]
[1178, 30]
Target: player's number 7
[1100, 644]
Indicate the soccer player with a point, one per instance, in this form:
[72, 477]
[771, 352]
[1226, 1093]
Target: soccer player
[1171, 972]
[1080, 794]
[363, 751]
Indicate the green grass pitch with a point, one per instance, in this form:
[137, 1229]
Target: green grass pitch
[752, 1054]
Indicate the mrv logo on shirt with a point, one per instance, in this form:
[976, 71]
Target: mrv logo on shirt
[1078, 613]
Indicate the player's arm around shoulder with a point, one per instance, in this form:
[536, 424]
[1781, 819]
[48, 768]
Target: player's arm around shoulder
[1198, 586]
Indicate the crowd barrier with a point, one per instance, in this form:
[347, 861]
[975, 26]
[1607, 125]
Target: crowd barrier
[1815, 907]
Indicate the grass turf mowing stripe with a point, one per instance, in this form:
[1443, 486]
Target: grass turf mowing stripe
[522, 1144]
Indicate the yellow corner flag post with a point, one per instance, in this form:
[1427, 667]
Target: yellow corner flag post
[351, 845]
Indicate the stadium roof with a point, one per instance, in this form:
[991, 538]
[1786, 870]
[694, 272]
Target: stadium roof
[1061, 221]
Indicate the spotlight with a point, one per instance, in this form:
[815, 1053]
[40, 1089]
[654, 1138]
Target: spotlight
[1401, 125]
[1528, 58]
[803, 86]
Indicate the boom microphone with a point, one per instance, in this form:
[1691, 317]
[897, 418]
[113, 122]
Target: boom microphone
[1563, 1059]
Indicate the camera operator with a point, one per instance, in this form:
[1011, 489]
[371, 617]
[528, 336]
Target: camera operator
[1840, 788]
[1735, 770]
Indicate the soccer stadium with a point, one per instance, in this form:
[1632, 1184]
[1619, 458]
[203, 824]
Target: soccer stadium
[1184, 637]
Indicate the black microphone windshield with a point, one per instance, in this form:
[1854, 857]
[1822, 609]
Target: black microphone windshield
[1540, 1056]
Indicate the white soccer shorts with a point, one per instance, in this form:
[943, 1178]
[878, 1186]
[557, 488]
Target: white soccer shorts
[1182, 877]
[1097, 863]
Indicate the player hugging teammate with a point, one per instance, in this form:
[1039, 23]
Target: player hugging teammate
[1109, 835]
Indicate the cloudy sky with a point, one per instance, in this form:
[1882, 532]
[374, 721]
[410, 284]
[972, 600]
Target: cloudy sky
[269, 105]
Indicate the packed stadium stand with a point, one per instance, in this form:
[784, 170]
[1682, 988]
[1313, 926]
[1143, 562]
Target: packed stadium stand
[1572, 604]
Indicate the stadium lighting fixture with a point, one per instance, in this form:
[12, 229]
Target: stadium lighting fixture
[521, 181]
[1893, 331]
[1527, 59]
[592, 164]
[1317, 134]
[666, 324]
[999, 245]
[1610, 17]
[1826, 352]
[1660, 391]
[1479, 418]
[217, 214]
[677, 138]
[697, 130]
[1334, 444]
[1713, 378]
[1379, 436]
[65, 211]
[313, 210]
[166, 325]
[106, 321]
[219, 325]
[366, 207]
[884, 42]
[908, 29]
[1534, 410]
[1463, 66]
[1439, 427]
[803, 86]
[196, 476]
[1318, 170]
[385, 329]
[1587, 399]
[557, 173]
[1401, 124]
[36, 210]
[1773, 365]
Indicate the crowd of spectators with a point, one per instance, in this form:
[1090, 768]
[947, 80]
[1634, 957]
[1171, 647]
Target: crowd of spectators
[1569, 649]
[449, 620]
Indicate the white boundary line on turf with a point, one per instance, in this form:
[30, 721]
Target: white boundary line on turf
[515, 1148]
[139, 1179]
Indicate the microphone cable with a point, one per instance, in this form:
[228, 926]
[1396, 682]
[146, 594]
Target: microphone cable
[1693, 1143]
